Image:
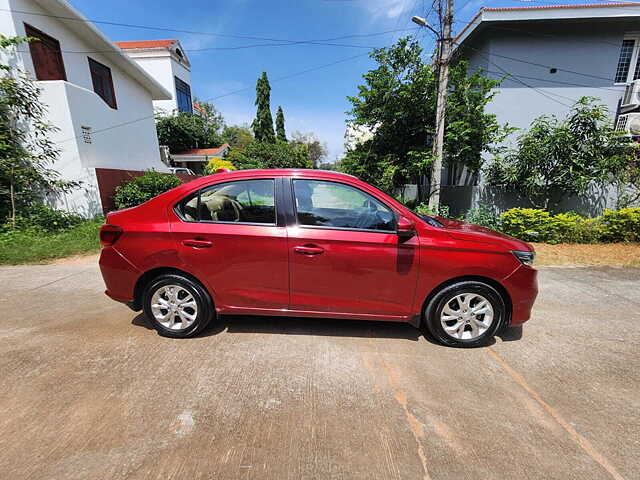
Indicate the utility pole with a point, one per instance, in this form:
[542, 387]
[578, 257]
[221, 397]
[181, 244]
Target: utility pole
[442, 62]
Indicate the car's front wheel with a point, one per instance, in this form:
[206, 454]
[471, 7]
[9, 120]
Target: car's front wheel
[177, 306]
[465, 314]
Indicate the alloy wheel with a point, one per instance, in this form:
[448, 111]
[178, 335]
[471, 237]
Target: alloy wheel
[467, 316]
[174, 307]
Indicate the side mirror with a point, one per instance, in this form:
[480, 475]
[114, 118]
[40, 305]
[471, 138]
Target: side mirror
[406, 228]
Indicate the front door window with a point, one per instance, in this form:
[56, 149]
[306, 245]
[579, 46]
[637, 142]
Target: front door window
[336, 205]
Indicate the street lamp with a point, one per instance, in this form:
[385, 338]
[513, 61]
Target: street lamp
[423, 23]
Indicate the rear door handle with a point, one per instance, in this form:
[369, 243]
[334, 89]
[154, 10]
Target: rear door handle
[308, 250]
[193, 242]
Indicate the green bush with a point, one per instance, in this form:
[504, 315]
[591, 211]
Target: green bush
[528, 224]
[573, 228]
[140, 189]
[482, 216]
[620, 226]
[43, 218]
[534, 225]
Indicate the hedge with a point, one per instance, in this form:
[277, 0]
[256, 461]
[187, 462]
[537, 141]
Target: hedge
[536, 225]
[140, 189]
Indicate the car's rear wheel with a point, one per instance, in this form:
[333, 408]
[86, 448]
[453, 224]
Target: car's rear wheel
[465, 314]
[177, 306]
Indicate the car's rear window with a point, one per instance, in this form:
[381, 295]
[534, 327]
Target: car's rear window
[242, 201]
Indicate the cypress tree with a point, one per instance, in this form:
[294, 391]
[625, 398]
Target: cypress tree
[280, 132]
[263, 123]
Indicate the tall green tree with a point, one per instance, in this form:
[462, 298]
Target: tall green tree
[397, 103]
[27, 153]
[263, 123]
[280, 131]
[559, 157]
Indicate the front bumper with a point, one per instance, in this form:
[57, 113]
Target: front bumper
[522, 286]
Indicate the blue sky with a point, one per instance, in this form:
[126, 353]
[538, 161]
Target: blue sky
[312, 102]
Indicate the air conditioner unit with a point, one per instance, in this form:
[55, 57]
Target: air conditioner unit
[631, 97]
[629, 123]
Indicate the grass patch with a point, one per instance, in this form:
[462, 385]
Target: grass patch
[34, 245]
[602, 254]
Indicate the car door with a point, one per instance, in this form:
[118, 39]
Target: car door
[228, 234]
[345, 255]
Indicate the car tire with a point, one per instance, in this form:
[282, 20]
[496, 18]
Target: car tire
[176, 306]
[456, 316]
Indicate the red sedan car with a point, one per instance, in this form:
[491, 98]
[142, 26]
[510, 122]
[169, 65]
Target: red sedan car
[310, 243]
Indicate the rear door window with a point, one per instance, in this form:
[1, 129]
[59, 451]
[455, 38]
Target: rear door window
[242, 201]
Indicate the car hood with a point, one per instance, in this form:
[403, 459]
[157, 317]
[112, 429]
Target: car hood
[475, 233]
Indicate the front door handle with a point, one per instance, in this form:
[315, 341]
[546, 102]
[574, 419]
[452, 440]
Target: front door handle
[194, 242]
[308, 250]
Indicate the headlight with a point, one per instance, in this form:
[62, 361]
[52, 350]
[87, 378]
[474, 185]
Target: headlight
[525, 257]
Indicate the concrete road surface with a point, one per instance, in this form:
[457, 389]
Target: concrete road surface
[87, 391]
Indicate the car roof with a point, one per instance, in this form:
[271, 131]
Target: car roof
[266, 173]
[285, 172]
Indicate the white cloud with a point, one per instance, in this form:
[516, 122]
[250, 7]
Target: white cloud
[389, 9]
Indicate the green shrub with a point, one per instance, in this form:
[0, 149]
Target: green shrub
[533, 225]
[573, 228]
[620, 226]
[43, 218]
[528, 224]
[140, 189]
[482, 216]
[424, 209]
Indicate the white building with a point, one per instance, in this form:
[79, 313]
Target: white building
[166, 61]
[100, 100]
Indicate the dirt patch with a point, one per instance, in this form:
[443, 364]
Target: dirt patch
[75, 260]
[609, 254]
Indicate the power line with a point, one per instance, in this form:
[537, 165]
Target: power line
[320, 42]
[541, 65]
[559, 82]
[522, 82]
[302, 72]
[191, 32]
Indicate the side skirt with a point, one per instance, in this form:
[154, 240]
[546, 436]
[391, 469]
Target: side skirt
[314, 314]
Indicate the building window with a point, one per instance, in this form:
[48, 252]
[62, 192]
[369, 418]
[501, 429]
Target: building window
[183, 96]
[628, 68]
[46, 55]
[102, 82]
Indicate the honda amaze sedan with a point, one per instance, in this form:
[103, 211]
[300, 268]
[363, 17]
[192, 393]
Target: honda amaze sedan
[310, 243]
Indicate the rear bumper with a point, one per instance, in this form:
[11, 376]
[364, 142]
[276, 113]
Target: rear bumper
[522, 286]
[119, 275]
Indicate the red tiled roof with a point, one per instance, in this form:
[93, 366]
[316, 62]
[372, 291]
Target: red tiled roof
[197, 107]
[204, 151]
[551, 7]
[146, 44]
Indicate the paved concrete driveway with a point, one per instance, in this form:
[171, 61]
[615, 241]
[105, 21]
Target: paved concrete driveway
[88, 392]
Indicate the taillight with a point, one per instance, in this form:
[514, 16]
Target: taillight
[109, 234]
